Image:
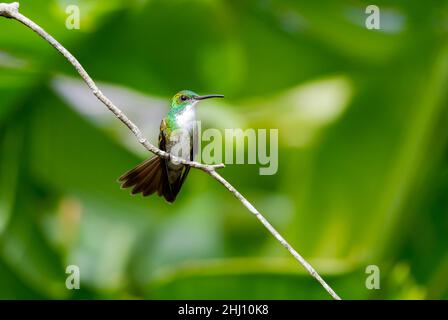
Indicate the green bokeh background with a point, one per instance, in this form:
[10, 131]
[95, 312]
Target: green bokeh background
[363, 150]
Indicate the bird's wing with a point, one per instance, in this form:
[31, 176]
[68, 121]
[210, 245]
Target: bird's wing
[162, 146]
[162, 138]
[175, 187]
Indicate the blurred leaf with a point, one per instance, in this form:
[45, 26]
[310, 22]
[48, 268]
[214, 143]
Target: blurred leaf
[13, 287]
[11, 144]
[22, 246]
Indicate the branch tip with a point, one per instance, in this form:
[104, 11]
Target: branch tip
[8, 10]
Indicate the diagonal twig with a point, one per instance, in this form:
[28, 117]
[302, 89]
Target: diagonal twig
[11, 10]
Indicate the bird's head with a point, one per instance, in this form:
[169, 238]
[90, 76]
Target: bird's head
[186, 98]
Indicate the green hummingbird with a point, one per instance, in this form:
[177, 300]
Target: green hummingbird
[176, 137]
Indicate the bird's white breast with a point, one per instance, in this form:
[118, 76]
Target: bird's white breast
[186, 118]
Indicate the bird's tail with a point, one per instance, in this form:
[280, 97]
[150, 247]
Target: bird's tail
[147, 178]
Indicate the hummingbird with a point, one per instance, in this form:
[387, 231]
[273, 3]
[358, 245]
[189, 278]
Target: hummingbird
[161, 176]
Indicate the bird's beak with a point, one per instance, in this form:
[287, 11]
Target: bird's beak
[208, 96]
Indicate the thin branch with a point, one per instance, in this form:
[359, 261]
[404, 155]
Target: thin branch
[11, 10]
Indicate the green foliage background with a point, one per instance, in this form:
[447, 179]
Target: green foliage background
[363, 170]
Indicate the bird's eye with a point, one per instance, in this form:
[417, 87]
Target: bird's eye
[183, 98]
